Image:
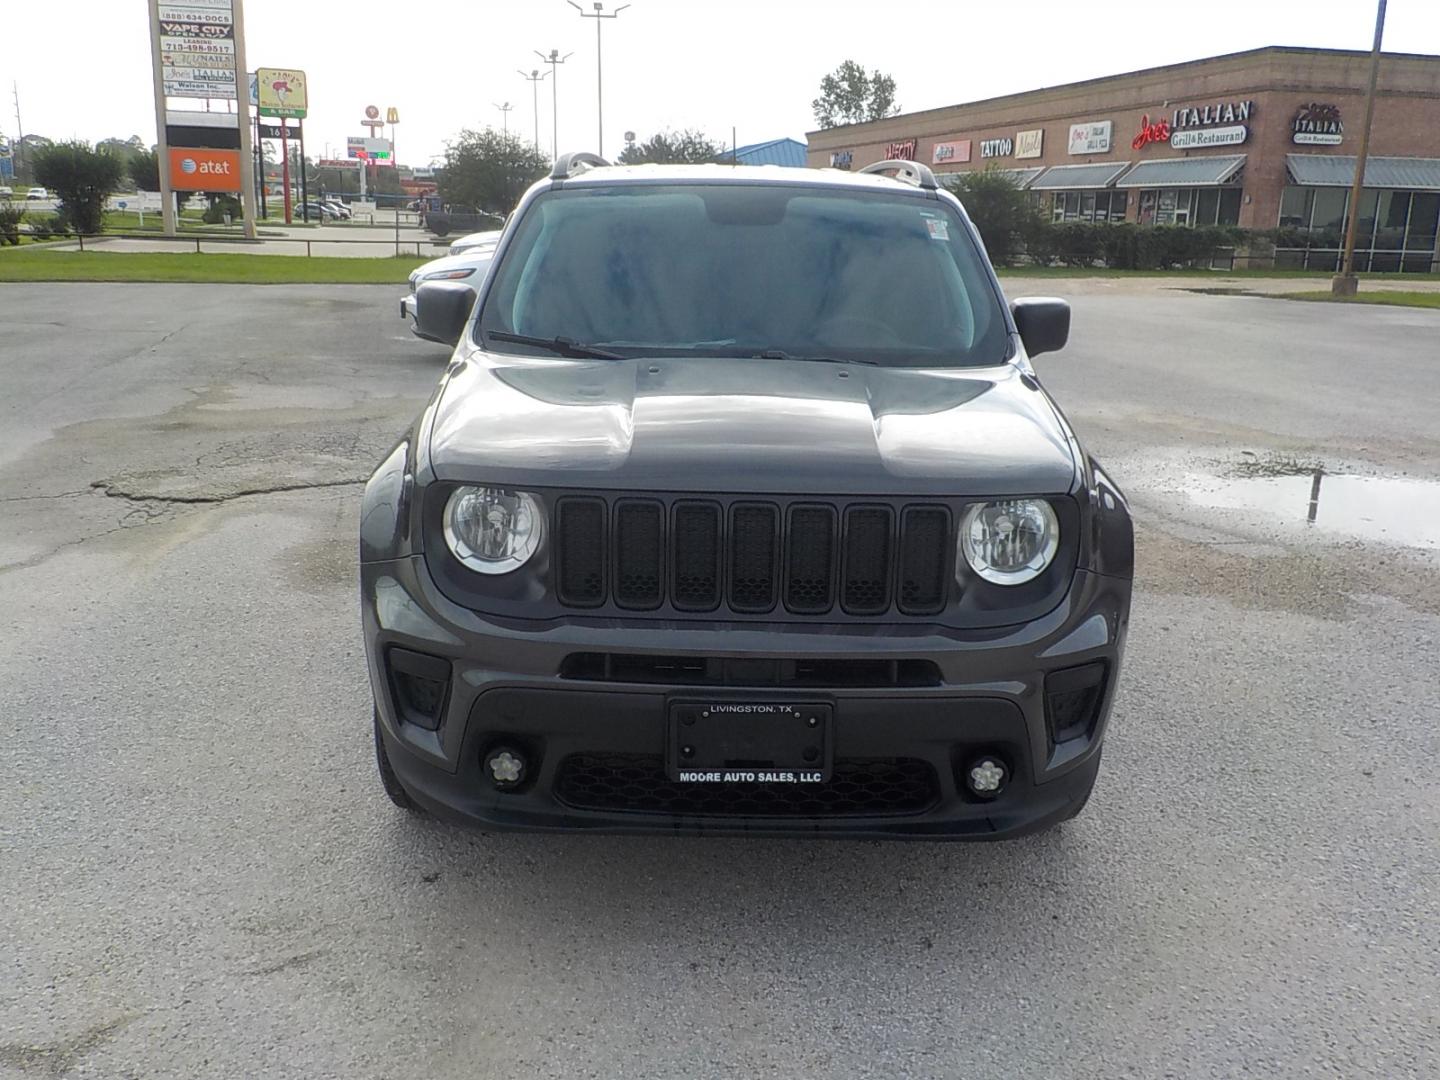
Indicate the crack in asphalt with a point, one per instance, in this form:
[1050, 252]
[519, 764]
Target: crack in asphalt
[154, 509]
[114, 491]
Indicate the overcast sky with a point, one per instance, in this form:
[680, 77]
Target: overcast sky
[753, 64]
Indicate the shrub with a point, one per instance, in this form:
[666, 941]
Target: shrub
[1003, 214]
[220, 205]
[82, 178]
[10, 219]
[1077, 243]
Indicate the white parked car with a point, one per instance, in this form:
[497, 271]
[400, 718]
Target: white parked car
[468, 268]
[476, 241]
[37, 193]
[6, 192]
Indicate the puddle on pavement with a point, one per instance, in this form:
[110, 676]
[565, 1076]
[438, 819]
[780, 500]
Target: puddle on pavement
[1395, 510]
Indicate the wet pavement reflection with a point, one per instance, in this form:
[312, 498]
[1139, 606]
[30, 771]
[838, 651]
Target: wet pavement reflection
[1396, 510]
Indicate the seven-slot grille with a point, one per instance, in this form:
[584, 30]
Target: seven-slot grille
[751, 556]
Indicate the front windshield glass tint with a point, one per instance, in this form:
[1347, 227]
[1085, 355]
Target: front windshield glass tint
[744, 269]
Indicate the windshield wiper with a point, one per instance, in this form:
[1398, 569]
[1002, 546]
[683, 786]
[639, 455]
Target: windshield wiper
[562, 345]
[781, 354]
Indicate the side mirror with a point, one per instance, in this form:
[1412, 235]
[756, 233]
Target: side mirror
[1043, 322]
[442, 308]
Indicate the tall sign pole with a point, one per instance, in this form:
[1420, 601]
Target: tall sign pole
[1345, 283]
[162, 144]
[242, 105]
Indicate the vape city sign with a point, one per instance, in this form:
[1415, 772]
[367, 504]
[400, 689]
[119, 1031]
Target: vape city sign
[901, 150]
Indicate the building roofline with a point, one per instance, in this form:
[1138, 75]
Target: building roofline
[1180, 65]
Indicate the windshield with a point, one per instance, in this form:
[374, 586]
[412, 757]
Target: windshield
[745, 270]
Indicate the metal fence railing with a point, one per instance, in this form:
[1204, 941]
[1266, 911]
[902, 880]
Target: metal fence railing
[397, 245]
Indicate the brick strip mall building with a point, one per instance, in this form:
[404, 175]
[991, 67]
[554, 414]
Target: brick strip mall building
[1262, 139]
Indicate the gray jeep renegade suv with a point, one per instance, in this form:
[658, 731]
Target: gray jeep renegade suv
[740, 509]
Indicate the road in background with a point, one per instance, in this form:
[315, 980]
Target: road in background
[202, 878]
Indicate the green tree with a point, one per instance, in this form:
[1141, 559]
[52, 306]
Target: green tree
[685, 147]
[849, 95]
[490, 170]
[144, 169]
[1004, 215]
[81, 177]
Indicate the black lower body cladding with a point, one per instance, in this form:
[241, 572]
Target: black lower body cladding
[572, 724]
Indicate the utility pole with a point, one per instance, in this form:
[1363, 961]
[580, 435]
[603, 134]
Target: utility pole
[554, 60]
[505, 116]
[1345, 283]
[599, 15]
[19, 133]
[242, 104]
[534, 79]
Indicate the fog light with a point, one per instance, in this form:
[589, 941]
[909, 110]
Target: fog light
[986, 777]
[506, 767]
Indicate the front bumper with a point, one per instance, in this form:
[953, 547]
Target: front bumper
[596, 744]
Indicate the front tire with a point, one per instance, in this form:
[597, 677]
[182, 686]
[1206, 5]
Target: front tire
[388, 780]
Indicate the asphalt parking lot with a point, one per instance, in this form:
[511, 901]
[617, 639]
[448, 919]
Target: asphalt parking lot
[199, 875]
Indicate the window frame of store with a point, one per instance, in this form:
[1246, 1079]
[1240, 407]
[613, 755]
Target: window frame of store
[1301, 205]
[1061, 203]
[1193, 206]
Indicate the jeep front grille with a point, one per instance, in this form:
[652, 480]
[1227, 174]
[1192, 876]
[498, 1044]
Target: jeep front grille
[752, 556]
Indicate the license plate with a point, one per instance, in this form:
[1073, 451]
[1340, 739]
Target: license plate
[738, 742]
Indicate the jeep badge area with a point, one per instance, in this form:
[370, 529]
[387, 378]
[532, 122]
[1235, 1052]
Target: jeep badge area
[739, 509]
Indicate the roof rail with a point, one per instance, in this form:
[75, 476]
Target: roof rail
[571, 164]
[910, 172]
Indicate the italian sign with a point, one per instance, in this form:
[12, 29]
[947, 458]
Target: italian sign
[1317, 124]
[282, 92]
[197, 48]
[1091, 138]
[193, 169]
[1190, 139]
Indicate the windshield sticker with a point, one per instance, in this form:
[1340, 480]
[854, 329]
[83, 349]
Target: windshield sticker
[939, 230]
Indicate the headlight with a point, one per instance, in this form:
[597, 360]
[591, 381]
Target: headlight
[448, 275]
[491, 530]
[1010, 542]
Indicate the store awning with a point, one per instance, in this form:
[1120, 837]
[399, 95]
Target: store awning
[1333, 170]
[1184, 172]
[1070, 177]
[1022, 177]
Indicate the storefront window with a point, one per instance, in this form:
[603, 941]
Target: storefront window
[1295, 206]
[1229, 212]
[1089, 206]
[1396, 230]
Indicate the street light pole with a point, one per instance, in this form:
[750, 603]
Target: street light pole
[554, 60]
[534, 79]
[1345, 283]
[599, 15]
[505, 116]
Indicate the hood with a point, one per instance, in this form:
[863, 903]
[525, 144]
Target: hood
[738, 426]
[475, 259]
